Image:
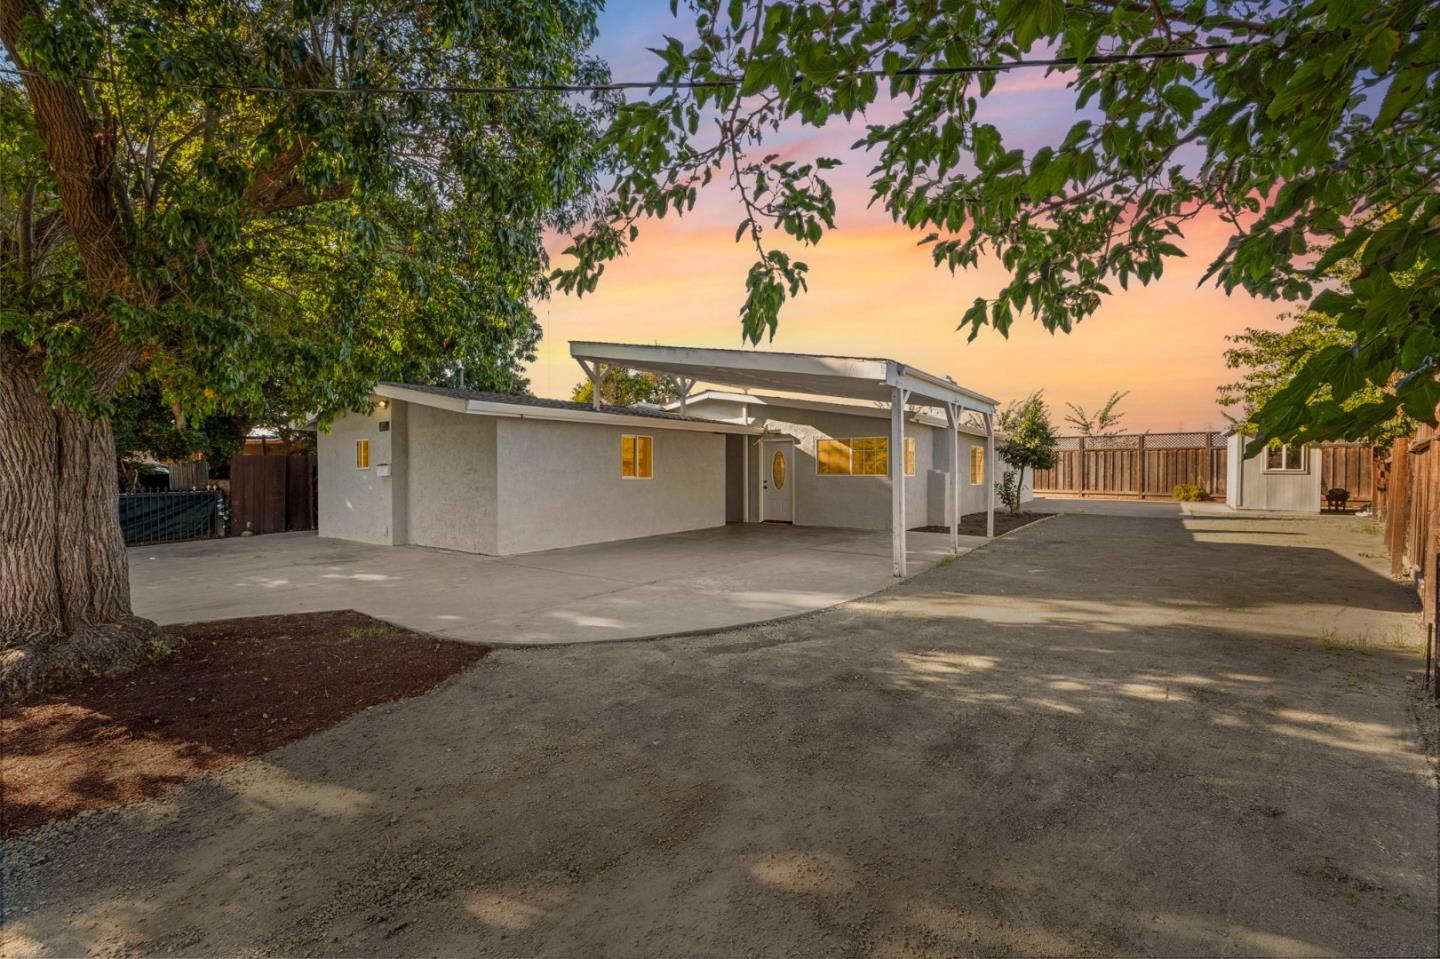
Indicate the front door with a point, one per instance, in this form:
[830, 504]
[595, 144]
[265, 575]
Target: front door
[777, 481]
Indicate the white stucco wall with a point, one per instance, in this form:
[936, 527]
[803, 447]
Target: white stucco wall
[452, 480]
[559, 484]
[356, 504]
[860, 502]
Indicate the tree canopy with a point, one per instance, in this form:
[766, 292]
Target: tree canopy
[257, 239]
[1105, 421]
[1268, 360]
[1029, 439]
[622, 387]
[1309, 129]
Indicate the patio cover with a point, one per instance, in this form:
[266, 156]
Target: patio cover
[874, 379]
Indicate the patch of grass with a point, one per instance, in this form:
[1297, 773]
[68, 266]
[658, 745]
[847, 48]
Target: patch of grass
[946, 561]
[365, 632]
[1372, 528]
[1337, 645]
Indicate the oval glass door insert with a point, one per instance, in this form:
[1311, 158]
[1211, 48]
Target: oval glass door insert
[777, 470]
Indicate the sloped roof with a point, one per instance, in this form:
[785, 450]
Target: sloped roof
[484, 401]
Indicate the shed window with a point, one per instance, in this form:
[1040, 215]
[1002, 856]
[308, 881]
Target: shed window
[637, 457]
[860, 456]
[362, 454]
[977, 466]
[1285, 459]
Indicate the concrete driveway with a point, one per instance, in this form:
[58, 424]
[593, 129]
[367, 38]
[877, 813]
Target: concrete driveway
[660, 585]
[1099, 735]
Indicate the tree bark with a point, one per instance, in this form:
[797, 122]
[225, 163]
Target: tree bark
[64, 578]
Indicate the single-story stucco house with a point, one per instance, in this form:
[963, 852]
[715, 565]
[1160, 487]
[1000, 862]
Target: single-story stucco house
[500, 474]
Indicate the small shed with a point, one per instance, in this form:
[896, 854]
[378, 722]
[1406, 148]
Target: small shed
[1278, 478]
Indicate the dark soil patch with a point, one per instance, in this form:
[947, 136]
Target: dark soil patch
[234, 689]
[973, 524]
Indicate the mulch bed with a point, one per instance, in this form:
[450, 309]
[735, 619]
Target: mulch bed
[234, 689]
[973, 524]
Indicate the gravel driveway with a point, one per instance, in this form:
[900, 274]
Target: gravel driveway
[1102, 734]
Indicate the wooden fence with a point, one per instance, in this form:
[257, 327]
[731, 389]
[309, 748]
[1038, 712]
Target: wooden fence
[272, 494]
[1408, 500]
[1142, 465]
[1151, 465]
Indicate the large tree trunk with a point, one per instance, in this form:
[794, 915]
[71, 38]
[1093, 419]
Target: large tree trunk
[64, 578]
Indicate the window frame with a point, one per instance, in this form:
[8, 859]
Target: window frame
[638, 441]
[977, 460]
[1285, 466]
[362, 454]
[864, 443]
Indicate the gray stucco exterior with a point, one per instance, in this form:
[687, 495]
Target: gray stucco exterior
[861, 502]
[496, 485]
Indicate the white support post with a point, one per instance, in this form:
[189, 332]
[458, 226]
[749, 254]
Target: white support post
[683, 386]
[990, 470]
[745, 466]
[595, 370]
[898, 398]
[952, 416]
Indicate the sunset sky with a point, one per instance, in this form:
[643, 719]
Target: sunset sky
[874, 292]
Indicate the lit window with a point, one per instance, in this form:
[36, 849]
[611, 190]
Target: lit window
[362, 454]
[832, 458]
[977, 465]
[870, 456]
[637, 457]
[909, 456]
[1285, 459]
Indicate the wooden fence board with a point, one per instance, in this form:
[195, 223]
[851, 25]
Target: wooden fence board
[272, 494]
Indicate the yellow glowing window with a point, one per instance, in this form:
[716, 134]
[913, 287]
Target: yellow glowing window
[362, 454]
[909, 456]
[977, 465]
[637, 457]
[870, 455]
[832, 458]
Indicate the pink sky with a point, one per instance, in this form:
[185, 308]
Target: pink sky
[874, 292]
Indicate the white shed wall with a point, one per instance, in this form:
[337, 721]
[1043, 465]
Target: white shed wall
[559, 484]
[1297, 492]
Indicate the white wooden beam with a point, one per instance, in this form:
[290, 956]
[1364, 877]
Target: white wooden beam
[991, 469]
[952, 416]
[898, 399]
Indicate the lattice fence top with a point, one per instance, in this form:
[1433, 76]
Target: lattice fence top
[1152, 441]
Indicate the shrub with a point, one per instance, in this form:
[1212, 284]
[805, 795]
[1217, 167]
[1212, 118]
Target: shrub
[1008, 489]
[1189, 492]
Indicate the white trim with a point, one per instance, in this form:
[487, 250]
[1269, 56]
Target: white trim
[637, 437]
[1285, 458]
[521, 411]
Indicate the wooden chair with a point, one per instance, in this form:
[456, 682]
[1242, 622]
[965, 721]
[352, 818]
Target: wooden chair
[1336, 498]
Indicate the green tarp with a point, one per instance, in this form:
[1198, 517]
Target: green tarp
[157, 517]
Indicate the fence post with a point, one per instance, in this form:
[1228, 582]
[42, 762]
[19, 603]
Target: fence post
[1140, 462]
[1209, 465]
[1080, 460]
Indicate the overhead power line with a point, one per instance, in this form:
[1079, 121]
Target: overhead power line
[716, 84]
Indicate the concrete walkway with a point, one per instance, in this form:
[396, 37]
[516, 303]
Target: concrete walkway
[660, 585]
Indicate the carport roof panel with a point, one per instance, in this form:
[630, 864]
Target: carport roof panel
[852, 377]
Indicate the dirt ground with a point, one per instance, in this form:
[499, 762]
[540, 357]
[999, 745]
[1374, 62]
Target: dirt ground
[234, 689]
[1098, 735]
[973, 524]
